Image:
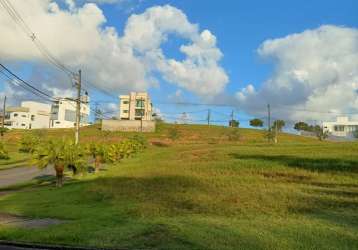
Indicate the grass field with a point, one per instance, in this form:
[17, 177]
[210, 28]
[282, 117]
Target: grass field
[203, 191]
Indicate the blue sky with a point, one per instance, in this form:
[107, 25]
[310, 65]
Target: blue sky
[240, 28]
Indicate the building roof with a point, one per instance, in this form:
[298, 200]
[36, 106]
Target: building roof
[17, 109]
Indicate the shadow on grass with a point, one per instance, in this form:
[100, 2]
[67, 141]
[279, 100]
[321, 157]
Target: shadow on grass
[149, 212]
[312, 164]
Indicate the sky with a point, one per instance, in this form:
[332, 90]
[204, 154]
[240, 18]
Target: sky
[301, 57]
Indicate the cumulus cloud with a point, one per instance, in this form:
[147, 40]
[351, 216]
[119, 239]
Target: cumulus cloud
[80, 37]
[314, 70]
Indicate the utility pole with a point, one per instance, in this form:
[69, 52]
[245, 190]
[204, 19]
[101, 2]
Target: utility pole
[209, 113]
[3, 117]
[276, 131]
[141, 114]
[269, 121]
[78, 107]
[232, 118]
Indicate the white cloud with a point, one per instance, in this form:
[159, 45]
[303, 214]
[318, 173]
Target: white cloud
[79, 37]
[314, 70]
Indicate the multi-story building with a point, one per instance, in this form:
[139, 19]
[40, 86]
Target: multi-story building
[63, 113]
[342, 127]
[36, 115]
[30, 115]
[135, 106]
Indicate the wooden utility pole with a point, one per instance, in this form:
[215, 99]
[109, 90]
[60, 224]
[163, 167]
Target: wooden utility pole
[276, 131]
[269, 121]
[3, 117]
[209, 113]
[78, 108]
[141, 113]
[232, 118]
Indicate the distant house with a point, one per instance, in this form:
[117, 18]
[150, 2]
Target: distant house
[135, 106]
[342, 127]
[135, 114]
[37, 115]
[29, 115]
[63, 113]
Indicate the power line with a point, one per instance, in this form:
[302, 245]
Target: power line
[16, 17]
[17, 81]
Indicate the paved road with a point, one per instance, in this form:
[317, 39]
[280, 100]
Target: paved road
[22, 174]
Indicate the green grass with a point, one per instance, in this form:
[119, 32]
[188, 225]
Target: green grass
[17, 159]
[204, 192]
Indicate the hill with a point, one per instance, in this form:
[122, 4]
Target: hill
[209, 188]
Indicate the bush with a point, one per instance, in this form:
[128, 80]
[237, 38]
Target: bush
[141, 140]
[234, 135]
[173, 133]
[28, 143]
[4, 155]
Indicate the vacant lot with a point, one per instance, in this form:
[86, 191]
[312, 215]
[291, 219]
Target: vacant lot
[203, 191]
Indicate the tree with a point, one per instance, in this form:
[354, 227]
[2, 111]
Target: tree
[320, 132]
[28, 143]
[4, 155]
[60, 155]
[278, 124]
[256, 123]
[173, 133]
[3, 130]
[98, 152]
[51, 153]
[301, 126]
[234, 123]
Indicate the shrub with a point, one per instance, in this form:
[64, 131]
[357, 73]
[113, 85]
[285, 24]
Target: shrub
[173, 133]
[28, 143]
[4, 155]
[234, 135]
[141, 140]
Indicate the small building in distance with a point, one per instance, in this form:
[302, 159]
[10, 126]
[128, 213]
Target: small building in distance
[63, 113]
[342, 127]
[135, 106]
[37, 115]
[135, 114]
[30, 115]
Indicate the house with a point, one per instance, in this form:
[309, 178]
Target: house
[342, 127]
[135, 106]
[63, 113]
[37, 115]
[135, 114]
[30, 115]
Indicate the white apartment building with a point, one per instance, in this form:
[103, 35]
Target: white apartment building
[341, 127]
[135, 106]
[30, 115]
[63, 113]
[37, 115]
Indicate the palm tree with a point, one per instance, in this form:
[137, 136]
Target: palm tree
[51, 153]
[98, 152]
[74, 157]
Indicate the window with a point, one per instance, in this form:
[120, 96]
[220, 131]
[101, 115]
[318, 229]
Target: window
[125, 102]
[140, 103]
[125, 111]
[70, 115]
[32, 117]
[16, 114]
[24, 116]
[23, 124]
[58, 122]
[139, 112]
[339, 128]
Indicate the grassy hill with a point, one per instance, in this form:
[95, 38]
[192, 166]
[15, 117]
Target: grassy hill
[202, 191]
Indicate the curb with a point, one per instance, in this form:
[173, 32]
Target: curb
[4, 243]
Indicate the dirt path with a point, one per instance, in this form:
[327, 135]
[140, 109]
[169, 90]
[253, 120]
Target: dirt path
[19, 175]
